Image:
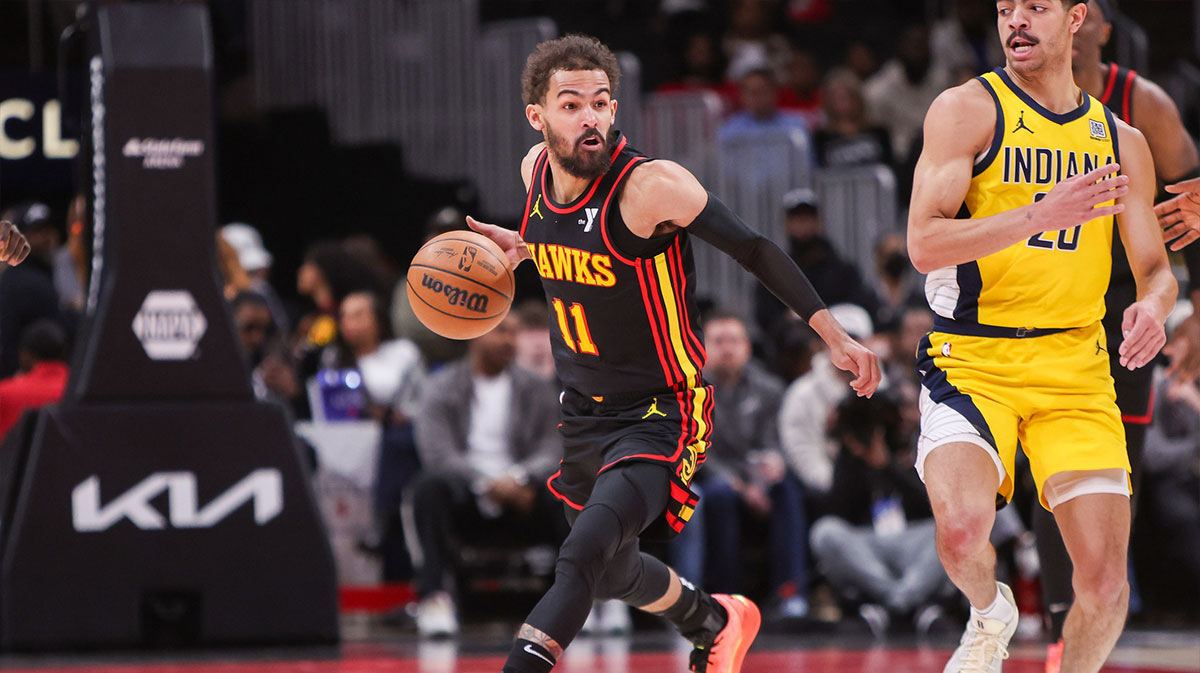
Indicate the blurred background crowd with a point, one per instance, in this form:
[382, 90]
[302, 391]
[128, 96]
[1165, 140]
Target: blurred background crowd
[350, 132]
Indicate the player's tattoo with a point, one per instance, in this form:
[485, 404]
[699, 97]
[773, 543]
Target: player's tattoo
[527, 632]
[1028, 216]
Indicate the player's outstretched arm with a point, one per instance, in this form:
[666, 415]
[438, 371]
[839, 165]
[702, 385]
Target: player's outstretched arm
[959, 127]
[1142, 323]
[663, 195]
[13, 246]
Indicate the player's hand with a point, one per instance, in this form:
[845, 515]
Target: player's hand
[1179, 217]
[13, 246]
[1184, 350]
[851, 356]
[508, 240]
[1074, 200]
[1143, 336]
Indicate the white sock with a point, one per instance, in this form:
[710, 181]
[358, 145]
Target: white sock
[1000, 609]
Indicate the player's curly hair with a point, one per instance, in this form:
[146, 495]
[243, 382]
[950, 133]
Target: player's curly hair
[572, 52]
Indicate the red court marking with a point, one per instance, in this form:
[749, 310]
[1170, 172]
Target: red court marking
[783, 661]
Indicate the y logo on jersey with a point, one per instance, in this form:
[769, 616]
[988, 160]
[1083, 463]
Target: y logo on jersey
[591, 217]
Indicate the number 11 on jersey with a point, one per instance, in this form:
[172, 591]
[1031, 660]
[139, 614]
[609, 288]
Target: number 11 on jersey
[584, 344]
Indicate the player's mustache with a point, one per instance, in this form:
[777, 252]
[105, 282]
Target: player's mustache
[1023, 35]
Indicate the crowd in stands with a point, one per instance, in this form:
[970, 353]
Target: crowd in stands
[809, 497]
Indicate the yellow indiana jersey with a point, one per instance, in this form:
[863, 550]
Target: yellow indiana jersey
[1054, 279]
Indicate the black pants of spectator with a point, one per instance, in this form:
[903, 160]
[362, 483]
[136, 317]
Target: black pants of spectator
[398, 465]
[1056, 569]
[445, 512]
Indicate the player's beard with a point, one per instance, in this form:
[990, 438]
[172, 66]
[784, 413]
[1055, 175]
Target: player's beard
[578, 162]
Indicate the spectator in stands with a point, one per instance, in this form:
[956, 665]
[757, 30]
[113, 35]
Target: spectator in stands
[807, 408]
[758, 95]
[750, 42]
[746, 473]
[900, 93]
[43, 373]
[898, 286]
[701, 67]
[435, 349]
[272, 374]
[835, 279]
[847, 138]
[326, 277]
[70, 265]
[967, 39]
[904, 384]
[876, 545]
[393, 376]
[860, 60]
[257, 261]
[800, 92]
[487, 437]
[27, 292]
[533, 339]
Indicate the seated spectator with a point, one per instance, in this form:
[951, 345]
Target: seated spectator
[900, 93]
[392, 370]
[899, 287]
[272, 374]
[876, 546]
[533, 339]
[807, 409]
[256, 261]
[835, 279]
[42, 373]
[701, 67]
[745, 475]
[487, 437]
[967, 39]
[847, 138]
[800, 92]
[758, 95]
[27, 292]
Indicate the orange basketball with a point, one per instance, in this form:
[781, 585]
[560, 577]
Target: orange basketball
[459, 284]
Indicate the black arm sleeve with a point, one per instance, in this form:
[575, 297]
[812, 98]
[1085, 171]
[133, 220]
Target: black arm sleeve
[718, 226]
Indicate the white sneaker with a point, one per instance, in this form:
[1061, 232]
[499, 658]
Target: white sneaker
[435, 616]
[614, 618]
[984, 645]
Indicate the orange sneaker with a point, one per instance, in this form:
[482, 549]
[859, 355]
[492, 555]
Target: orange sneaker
[730, 645]
[1054, 656]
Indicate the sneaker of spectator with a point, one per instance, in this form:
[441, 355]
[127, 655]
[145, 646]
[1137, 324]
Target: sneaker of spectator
[876, 618]
[436, 616]
[608, 618]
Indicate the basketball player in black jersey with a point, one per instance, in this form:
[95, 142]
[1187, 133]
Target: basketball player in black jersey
[607, 228]
[1144, 105]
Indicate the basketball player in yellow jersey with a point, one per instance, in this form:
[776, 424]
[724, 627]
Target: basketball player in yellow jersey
[1011, 217]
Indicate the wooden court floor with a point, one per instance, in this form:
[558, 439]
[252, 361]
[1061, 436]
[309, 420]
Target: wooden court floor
[1138, 652]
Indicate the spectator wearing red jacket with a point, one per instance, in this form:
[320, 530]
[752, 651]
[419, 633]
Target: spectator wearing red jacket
[42, 374]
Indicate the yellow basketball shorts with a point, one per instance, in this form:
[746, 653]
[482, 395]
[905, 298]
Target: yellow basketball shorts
[1054, 394]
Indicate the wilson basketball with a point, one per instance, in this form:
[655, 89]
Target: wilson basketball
[459, 284]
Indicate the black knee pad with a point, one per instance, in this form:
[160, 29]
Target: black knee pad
[591, 544]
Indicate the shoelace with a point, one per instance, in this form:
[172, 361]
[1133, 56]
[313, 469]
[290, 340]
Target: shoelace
[698, 659]
[980, 650]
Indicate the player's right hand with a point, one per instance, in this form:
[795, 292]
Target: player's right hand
[1179, 216]
[1074, 200]
[508, 240]
[851, 356]
[13, 246]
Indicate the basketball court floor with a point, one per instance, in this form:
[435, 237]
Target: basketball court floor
[370, 649]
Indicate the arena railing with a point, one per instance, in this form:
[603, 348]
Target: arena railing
[857, 206]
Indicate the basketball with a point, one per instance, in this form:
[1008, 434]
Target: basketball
[459, 284]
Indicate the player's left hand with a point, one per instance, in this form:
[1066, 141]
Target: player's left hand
[851, 356]
[1179, 217]
[1143, 336]
[1184, 350]
[13, 246]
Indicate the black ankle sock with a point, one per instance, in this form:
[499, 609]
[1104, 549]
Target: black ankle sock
[528, 657]
[697, 616]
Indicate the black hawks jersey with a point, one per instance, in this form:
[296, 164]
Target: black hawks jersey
[620, 323]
